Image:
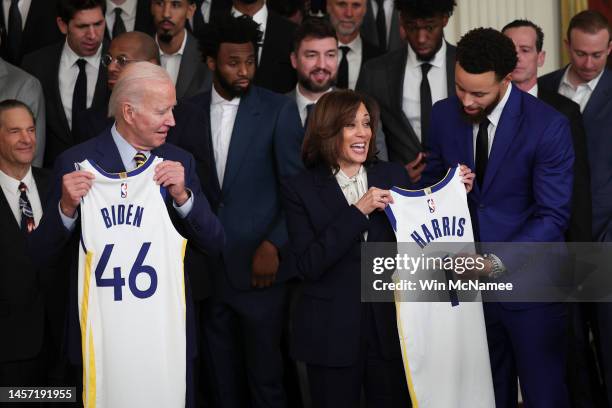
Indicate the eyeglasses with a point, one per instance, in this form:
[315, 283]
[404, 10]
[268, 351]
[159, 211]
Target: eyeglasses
[108, 59]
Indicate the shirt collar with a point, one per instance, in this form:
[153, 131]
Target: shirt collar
[217, 99]
[126, 150]
[534, 90]
[437, 61]
[591, 84]
[180, 50]
[261, 17]
[343, 179]
[12, 184]
[128, 9]
[301, 99]
[71, 57]
[496, 114]
[356, 45]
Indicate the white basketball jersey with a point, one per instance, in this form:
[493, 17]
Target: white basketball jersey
[444, 346]
[131, 293]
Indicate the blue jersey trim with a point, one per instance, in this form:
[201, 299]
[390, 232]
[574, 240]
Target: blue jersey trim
[391, 217]
[424, 191]
[124, 174]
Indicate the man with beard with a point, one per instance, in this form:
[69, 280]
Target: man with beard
[124, 49]
[522, 151]
[347, 17]
[245, 139]
[408, 81]
[178, 48]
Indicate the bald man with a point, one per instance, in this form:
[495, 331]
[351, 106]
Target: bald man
[126, 48]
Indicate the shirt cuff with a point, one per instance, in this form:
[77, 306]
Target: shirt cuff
[184, 210]
[68, 222]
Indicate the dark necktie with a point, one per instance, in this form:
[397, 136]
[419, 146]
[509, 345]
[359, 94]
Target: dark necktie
[309, 109]
[425, 102]
[118, 26]
[482, 151]
[14, 33]
[343, 73]
[381, 26]
[25, 208]
[79, 97]
[140, 158]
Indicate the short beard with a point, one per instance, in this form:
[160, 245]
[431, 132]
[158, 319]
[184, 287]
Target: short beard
[431, 55]
[312, 86]
[165, 37]
[480, 116]
[233, 91]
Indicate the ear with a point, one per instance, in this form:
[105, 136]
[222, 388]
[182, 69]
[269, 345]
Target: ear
[191, 10]
[293, 60]
[127, 113]
[211, 63]
[541, 58]
[567, 45]
[63, 27]
[444, 21]
[609, 47]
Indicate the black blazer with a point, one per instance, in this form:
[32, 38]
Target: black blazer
[325, 235]
[383, 79]
[368, 51]
[90, 123]
[40, 29]
[370, 32]
[144, 19]
[579, 229]
[216, 7]
[193, 76]
[21, 298]
[44, 65]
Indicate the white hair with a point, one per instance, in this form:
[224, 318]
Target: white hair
[133, 83]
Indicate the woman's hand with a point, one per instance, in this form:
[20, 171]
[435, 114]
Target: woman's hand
[374, 199]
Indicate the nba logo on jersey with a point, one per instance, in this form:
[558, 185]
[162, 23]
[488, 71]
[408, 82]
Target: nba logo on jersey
[123, 190]
[432, 205]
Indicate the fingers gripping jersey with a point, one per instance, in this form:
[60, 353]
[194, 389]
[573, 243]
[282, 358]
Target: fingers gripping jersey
[131, 293]
[444, 346]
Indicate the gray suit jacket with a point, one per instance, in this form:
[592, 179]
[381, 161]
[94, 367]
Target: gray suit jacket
[383, 79]
[369, 32]
[18, 84]
[194, 76]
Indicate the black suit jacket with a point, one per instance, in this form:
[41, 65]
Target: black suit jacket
[383, 79]
[40, 29]
[368, 51]
[579, 229]
[370, 32]
[90, 123]
[193, 76]
[21, 298]
[144, 19]
[44, 64]
[216, 7]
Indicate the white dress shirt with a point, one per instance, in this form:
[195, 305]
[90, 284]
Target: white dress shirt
[411, 94]
[493, 121]
[68, 73]
[10, 188]
[353, 57]
[302, 102]
[24, 9]
[128, 14]
[172, 62]
[354, 188]
[581, 93]
[388, 7]
[534, 91]
[261, 18]
[222, 118]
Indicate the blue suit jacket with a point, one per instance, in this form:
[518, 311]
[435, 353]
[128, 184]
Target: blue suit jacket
[326, 235]
[264, 148]
[51, 240]
[597, 118]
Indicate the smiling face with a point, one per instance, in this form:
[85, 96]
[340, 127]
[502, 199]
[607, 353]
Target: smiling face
[355, 142]
[316, 63]
[17, 138]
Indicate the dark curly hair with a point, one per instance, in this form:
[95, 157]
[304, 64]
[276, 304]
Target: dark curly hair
[425, 8]
[228, 29]
[485, 49]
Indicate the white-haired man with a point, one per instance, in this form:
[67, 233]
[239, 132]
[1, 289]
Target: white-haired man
[141, 103]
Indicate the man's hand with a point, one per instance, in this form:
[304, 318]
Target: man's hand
[477, 267]
[265, 265]
[75, 185]
[467, 177]
[171, 174]
[415, 168]
[374, 199]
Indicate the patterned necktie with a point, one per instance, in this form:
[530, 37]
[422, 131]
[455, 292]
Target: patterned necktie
[140, 159]
[27, 216]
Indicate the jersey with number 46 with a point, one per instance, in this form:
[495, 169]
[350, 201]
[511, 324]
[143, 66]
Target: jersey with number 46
[131, 293]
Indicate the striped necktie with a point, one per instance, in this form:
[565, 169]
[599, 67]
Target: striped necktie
[140, 159]
[25, 208]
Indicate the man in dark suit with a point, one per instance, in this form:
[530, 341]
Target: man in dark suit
[588, 82]
[522, 151]
[141, 103]
[528, 39]
[274, 71]
[245, 139]
[205, 12]
[128, 15]
[71, 72]
[124, 49]
[32, 27]
[21, 299]
[376, 23]
[347, 18]
[397, 82]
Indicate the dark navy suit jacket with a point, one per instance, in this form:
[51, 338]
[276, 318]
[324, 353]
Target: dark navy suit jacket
[325, 235]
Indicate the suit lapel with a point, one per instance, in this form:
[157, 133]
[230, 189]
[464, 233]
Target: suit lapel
[601, 95]
[107, 154]
[100, 98]
[450, 69]
[188, 67]
[7, 214]
[58, 105]
[395, 83]
[329, 190]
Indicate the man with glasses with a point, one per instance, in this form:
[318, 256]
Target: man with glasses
[408, 81]
[125, 48]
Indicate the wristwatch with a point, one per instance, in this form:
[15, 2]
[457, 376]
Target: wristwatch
[498, 268]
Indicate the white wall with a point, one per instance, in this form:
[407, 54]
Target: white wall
[497, 13]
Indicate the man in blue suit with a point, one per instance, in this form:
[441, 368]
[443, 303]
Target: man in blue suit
[522, 152]
[588, 82]
[141, 103]
[245, 140]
